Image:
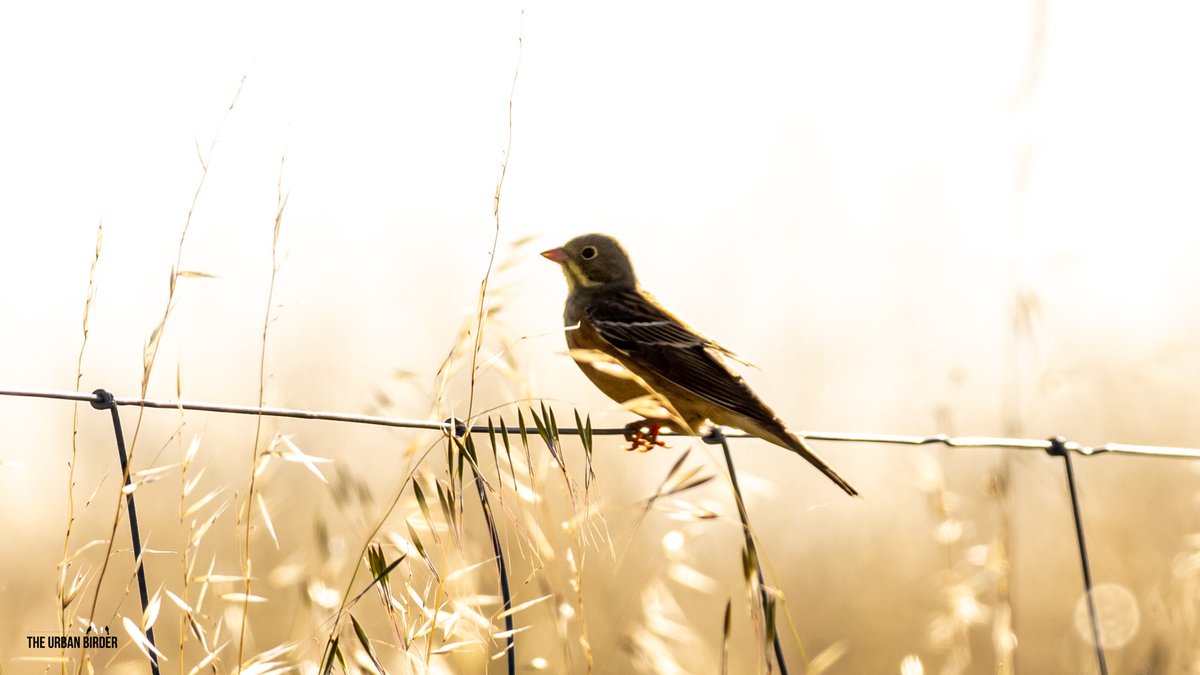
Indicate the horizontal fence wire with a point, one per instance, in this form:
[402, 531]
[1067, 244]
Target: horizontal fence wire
[449, 425]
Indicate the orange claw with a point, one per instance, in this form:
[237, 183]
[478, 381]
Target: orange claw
[643, 436]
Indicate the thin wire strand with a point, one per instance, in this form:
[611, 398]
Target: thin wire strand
[396, 422]
[152, 652]
[716, 437]
[1084, 562]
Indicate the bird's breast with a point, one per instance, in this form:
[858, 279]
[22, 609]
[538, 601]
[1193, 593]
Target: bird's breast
[582, 336]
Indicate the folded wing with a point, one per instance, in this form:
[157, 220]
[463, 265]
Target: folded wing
[662, 344]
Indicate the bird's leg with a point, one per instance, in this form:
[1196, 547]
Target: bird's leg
[643, 435]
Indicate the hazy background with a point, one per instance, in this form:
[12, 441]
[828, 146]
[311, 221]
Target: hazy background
[917, 218]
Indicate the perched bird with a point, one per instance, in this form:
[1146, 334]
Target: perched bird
[607, 312]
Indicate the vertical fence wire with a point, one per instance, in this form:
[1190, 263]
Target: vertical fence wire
[104, 401]
[717, 437]
[1058, 446]
[460, 430]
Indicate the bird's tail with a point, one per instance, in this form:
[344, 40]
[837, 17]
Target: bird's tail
[794, 443]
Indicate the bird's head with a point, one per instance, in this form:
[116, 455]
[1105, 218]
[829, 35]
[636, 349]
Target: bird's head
[593, 261]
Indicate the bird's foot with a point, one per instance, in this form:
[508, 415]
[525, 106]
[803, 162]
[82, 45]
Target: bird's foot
[643, 436]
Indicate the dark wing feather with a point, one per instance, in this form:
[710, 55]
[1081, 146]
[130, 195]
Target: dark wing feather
[662, 344]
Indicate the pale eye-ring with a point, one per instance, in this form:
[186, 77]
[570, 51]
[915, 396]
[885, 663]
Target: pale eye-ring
[588, 252]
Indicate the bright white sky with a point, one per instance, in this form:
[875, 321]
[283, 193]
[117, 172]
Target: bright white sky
[872, 148]
[917, 160]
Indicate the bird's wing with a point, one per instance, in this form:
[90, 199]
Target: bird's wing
[654, 339]
[711, 343]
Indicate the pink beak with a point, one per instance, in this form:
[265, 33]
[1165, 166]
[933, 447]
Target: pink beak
[558, 255]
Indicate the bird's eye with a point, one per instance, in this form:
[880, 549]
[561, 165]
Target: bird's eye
[588, 252]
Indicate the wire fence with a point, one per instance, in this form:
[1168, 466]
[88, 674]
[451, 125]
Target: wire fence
[1046, 445]
[454, 428]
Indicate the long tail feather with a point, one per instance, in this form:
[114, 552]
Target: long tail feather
[792, 442]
